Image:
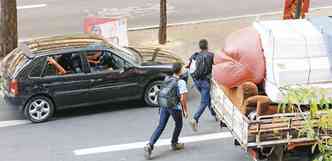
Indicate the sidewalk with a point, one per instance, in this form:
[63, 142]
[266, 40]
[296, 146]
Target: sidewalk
[183, 40]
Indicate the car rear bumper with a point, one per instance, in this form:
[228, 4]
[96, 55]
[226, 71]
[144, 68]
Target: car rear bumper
[16, 101]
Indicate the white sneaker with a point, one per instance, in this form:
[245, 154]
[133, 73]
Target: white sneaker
[194, 125]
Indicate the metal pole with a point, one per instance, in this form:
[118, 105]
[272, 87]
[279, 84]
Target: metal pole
[298, 9]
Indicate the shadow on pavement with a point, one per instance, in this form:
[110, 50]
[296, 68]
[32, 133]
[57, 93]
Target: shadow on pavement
[9, 112]
[96, 109]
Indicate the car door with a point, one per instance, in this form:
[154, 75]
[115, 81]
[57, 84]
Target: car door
[69, 89]
[117, 82]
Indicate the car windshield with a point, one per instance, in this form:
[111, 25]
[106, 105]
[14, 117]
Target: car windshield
[128, 54]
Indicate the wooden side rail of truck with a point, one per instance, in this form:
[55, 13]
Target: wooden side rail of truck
[269, 134]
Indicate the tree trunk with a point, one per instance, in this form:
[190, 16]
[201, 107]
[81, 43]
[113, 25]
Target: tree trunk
[163, 22]
[298, 11]
[8, 26]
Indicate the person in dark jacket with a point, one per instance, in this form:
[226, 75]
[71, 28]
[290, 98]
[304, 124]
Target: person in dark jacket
[202, 83]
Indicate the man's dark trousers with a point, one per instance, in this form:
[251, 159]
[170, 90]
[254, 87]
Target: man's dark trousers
[203, 86]
[165, 113]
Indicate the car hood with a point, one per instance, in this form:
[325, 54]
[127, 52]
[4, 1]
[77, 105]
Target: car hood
[156, 56]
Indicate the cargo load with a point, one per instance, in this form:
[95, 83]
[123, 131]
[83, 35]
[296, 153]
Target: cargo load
[324, 25]
[241, 60]
[295, 54]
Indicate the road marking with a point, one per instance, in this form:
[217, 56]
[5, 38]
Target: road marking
[2, 95]
[31, 6]
[139, 145]
[13, 123]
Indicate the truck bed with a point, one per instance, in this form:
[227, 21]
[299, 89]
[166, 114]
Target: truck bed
[264, 131]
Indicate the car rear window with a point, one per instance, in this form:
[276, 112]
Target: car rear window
[13, 62]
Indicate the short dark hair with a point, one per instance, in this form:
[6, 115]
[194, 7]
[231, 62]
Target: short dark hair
[177, 68]
[203, 44]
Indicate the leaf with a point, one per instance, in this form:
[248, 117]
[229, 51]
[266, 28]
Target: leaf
[313, 108]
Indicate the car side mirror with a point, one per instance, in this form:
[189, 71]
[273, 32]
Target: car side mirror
[122, 70]
[127, 67]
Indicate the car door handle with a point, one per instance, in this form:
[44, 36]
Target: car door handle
[96, 80]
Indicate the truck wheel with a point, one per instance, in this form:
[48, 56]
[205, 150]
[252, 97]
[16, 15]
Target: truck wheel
[278, 153]
[237, 143]
[222, 124]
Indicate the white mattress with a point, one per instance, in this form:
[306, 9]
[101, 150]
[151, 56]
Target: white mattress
[290, 39]
[298, 71]
[295, 54]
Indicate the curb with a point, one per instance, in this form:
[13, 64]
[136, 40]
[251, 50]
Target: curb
[220, 19]
[13, 123]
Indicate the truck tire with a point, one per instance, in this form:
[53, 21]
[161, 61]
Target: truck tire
[278, 153]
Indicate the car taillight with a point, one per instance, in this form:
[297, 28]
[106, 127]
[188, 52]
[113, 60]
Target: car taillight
[13, 87]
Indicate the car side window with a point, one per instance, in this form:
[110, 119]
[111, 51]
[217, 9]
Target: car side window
[63, 64]
[37, 67]
[100, 61]
[119, 63]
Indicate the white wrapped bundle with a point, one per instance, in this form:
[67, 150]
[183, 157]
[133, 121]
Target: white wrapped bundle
[290, 39]
[295, 54]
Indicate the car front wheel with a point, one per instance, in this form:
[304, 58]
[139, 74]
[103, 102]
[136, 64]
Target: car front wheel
[151, 93]
[39, 109]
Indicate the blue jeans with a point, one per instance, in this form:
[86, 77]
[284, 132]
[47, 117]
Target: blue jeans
[203, 86]
[165, 113]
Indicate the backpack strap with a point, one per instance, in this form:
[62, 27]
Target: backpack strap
[194, 55]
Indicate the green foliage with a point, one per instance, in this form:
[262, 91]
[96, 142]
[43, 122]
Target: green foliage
[1, 83]
[318, 124]
[325, 147]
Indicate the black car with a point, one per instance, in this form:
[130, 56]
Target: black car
[45, 75]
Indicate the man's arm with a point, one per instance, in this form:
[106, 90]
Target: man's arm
[183, 97]
[94, 56]
[212, 57]
[184, 102]
[60, 70]
[93, 61]
[188, 65]
[190, 60]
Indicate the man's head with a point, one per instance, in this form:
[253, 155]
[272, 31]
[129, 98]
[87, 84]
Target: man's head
[203, 44]
[177, 68]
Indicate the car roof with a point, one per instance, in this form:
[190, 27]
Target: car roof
[62, 44]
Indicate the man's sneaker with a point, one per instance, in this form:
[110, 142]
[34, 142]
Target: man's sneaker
[215, 118]
[177, 146]
[194, 125]
[148, 151]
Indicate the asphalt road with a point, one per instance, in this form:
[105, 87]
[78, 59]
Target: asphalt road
[50, 17]
[123, 123]
[121, 128]
[107, 125]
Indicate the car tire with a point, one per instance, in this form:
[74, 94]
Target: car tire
[39, 109]
[151, 93]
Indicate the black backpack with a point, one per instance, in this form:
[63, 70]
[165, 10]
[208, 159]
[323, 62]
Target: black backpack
[169, 95]
[203, 66]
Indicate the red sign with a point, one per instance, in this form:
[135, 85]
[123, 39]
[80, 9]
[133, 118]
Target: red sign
[112, 29]
[290, 8]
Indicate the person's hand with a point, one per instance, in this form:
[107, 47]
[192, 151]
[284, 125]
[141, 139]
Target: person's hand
[185, 114]
[94, 62]
[51, 61]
